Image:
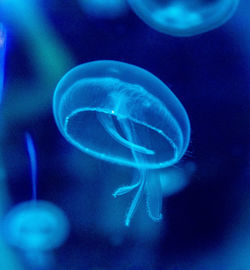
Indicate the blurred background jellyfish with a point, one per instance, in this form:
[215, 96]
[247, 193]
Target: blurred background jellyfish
[123, 114]
[184, 18]
[174, 179]
[2, 57]
[35, 226]
[110, 9]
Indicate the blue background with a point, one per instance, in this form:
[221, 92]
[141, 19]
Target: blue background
[207, 224]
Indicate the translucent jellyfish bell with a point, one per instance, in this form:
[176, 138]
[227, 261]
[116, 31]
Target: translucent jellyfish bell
[36, 225]
[184, 17]
[123, 114]
[117, 90]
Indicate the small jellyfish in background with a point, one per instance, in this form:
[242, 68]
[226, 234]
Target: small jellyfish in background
[35, 226]
[175, 179]
[123, 114]
[184, 17]
[109, 9]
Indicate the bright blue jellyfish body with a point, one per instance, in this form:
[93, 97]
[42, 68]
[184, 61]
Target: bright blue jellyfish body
[36, 225]
[104, 8]
[123, 114]
[184, 17]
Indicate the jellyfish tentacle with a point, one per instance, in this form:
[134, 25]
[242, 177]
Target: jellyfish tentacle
[135, 202]
[154, 197]
[128, 188]
[130, 142]
[125, 189]
[108, 124]
[128, 128]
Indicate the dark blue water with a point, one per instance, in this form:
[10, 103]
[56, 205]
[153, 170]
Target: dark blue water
[206, 225]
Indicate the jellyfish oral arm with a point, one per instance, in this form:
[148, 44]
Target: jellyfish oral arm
[126, 189]
[135, 201]
[108, 124]
[154, 197]
[153, 188]
[131, 136]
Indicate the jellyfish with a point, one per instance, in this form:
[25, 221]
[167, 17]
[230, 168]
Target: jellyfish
[184, 18]
[35, 226]
[123, 114]
[175, 179]
[110, 9]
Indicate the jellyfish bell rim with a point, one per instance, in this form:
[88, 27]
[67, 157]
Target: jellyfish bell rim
[14, 213]
[121, 161]
[115, 69]
[149, 21]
